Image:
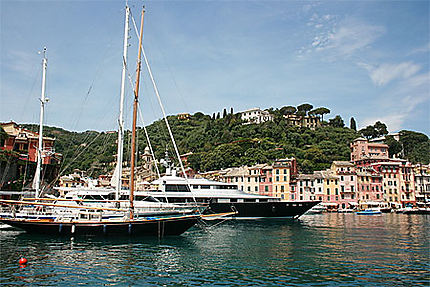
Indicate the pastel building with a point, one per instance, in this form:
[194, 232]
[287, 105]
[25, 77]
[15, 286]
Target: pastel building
[407, 183]
[369, 186]
[246, 178]
[422, 185]
[256, 116]
[331, 196]
[284, 173]
[266, 180]
[345, 171]
[318, 185]
[26, 142]
[390, 172]
[364, 153]
[311, 122]
[305, 187]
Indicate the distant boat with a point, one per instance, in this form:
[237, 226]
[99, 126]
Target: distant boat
[369, 211]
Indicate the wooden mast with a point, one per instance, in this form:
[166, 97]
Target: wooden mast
[133, 138]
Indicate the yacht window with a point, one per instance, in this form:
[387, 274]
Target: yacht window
[145, 198]
[195, 186]
[249, 200]
[233, 199]
[205, 186]
[177, 188]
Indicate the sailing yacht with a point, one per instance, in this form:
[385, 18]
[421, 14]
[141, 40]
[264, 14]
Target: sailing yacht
[106, 217]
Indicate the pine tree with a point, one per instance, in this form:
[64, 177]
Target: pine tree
[353, 124]
[224, 113]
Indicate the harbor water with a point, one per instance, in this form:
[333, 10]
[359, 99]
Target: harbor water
[317, 250]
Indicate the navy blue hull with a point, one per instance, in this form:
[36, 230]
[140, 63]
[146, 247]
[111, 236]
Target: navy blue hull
[263, 209]
[157, 227]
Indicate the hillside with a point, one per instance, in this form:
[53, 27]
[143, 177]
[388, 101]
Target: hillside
[226, 142]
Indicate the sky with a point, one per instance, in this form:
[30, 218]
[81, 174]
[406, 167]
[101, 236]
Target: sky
[363, 59]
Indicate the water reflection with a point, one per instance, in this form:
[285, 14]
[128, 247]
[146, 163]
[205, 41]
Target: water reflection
[328, 249]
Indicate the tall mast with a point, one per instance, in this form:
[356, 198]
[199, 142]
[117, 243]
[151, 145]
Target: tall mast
[121, 107]
[133, 137]
[42, 110]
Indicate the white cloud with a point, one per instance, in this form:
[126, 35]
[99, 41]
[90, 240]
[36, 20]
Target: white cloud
[385, 73]
[344, 38]
[394, 122]
[400, 103]
[423, 49]
[19, 61]
[353, 36]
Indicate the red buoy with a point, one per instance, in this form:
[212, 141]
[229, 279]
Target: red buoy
[22, 261]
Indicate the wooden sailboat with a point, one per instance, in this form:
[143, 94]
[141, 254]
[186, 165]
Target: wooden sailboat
[120, 221]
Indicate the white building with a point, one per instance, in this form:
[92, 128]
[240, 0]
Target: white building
[256, 116]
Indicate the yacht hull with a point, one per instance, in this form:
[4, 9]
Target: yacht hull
[153, 227]
[250, 210]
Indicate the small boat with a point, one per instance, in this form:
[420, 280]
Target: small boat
[317, 209]
[369, 211]
[408, 210]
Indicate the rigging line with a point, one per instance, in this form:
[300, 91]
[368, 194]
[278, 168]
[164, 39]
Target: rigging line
[146, 132]
[148, 140]
[73, 160]
[37, 76]
[164, 114]
[172, 75]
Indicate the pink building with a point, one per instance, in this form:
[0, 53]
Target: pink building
[345, 171]
[390, 172]
[363, 151]
[266, 180]
[369, 185]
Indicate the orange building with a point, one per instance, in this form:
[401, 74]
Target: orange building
[25, 142]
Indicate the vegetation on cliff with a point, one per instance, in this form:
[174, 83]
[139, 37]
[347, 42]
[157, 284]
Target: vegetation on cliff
[225, 142]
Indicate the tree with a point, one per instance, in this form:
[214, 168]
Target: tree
[305, 107]
[353, 124]
[231, 111]
[213, 116]
[416, 146]
[198, 115]
[224, 113]
[3, 135]
[218, 115]
[369, 132]
[288, 110]
[336, 122]
[394, 147]
[381, 128]
[321, 111]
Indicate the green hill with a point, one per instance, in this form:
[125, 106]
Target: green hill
[226, 142]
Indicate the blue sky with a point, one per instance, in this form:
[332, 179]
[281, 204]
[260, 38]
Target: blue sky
[366, 59]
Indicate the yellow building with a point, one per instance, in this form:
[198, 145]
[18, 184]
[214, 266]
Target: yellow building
[284, 174]
[331, 189]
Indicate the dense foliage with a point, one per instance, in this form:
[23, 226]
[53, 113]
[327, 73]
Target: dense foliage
[226, 142]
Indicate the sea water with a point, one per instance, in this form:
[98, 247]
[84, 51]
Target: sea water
[316, 250]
